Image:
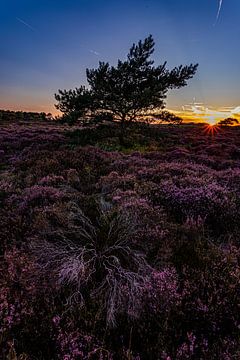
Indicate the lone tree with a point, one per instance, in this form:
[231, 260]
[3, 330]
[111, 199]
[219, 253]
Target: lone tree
[128, 91]
[228, 122]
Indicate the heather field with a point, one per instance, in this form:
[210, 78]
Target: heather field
[119, 252]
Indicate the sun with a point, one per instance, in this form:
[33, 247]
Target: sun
[211, 129]
[211, 120]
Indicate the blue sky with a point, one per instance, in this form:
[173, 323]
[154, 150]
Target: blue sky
[47, 45]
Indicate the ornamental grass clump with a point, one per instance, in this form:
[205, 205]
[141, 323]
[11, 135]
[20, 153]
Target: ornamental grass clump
[97, 259]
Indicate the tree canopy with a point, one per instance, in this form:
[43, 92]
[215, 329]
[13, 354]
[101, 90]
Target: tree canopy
[229, 122]
[128, 91]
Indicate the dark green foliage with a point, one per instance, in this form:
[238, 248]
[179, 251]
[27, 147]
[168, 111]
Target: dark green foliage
[168, 117]
[104, 116]
[129, 90]
[91, 136]
[74, 103]
[22, 116]
[135, 86]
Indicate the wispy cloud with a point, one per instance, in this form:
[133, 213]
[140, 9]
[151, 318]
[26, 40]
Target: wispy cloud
[26, 24]
[200, 111]
[94, 52]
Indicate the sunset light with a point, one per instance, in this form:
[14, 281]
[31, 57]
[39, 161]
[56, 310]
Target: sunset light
[198, 112]
[211, 129]
[119, 180]
[37, 59]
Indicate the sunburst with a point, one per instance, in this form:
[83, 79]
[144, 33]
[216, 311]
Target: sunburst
[210, 129]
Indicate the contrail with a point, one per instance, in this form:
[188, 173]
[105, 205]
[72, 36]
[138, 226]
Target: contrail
[26, 24]
[219, 10]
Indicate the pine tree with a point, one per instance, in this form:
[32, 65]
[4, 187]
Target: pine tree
[128, 91]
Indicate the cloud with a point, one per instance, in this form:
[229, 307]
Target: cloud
[236, 110]
[94, 52]
[200, 112]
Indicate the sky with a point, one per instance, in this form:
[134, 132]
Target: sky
[47, 45]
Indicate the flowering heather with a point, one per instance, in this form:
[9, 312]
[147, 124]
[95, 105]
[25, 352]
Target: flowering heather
[119, 253]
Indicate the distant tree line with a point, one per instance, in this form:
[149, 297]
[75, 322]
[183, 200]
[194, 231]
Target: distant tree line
[17, 116]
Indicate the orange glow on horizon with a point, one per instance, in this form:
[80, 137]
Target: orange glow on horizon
[31, 108]
[211, 117]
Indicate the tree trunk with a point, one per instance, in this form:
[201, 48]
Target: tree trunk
[122, 131]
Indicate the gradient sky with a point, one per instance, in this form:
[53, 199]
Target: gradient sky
[47, 45]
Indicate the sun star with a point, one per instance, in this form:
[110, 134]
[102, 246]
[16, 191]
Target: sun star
[211, 129]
